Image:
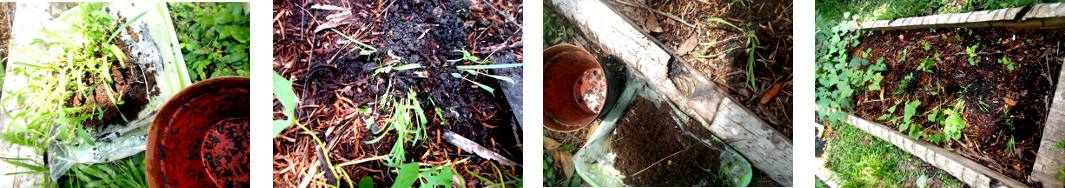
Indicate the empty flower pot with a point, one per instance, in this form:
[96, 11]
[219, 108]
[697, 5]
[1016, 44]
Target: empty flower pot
[575, 88]
[200, 136]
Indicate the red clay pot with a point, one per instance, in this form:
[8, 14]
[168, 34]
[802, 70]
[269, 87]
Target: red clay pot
[200, 136]
[574, 88]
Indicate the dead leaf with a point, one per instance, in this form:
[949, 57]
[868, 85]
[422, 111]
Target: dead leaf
[334, 20]
[565, 159]
[771, 93]
[550, 144]
[1009, 101]
[688, 45]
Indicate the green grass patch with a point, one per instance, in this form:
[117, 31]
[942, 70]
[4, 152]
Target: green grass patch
[864, 160]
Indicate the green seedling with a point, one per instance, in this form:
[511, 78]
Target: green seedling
[972, 54]
[1006, 61]
[466, 56]
[363, 48]
[751, 45]
[407, 121]
[954, 123]
[1011, 147]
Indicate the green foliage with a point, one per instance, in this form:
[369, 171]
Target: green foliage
[1011, 147]
[972, 54]
[904, 83]
[840, 77]
[214, 38]
[438, 176]
[407, 121]
[927, 46]
[928, 63]
[954, 123]
[283, 92]
[905, 53]
[1006, 61]
[466, 56]
[751, 46]
[555, 29]
[128, 172]
[863, 160]
[908, 123]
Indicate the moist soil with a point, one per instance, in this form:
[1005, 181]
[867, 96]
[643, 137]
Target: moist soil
[988, 89]
[225, 152]
[334, 82]
[130, 86]
[650, 153]
[770, 21]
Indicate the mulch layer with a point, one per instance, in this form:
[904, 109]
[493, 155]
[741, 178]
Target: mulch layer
[1000, 104]
[682, 26]
[333, 83]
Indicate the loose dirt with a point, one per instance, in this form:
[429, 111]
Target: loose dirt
[651, 151]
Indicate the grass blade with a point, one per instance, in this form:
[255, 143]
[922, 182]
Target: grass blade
[492, 66]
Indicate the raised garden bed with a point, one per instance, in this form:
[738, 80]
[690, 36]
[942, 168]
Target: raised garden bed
[752, 62]
[409, 55]
[1004, 109]
[984, 93]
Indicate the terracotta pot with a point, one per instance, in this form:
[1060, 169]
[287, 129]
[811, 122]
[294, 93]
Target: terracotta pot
[200, 136]
[575, 88]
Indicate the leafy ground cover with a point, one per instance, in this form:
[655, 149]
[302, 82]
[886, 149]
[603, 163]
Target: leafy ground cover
[213, 38]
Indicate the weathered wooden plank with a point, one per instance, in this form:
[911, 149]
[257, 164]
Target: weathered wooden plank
[766, 148]
[1049, 159]
[972, 173]
[1041, 16]
[826, 175]
[28, 17]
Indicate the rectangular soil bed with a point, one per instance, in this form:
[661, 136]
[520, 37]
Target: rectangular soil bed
[996, 83]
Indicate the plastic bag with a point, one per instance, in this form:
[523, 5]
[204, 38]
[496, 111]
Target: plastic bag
[156, 50]
[595, 161]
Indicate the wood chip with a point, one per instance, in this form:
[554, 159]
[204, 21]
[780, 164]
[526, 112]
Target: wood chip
[688, 45]
[327, 7]
[335, 20]
[1009, 101]
[469, 145]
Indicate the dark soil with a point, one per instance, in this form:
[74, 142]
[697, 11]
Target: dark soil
[334, 82]
[987, 89]
[130, 86]
[225, 152]
[771, 22]
[653, 153]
